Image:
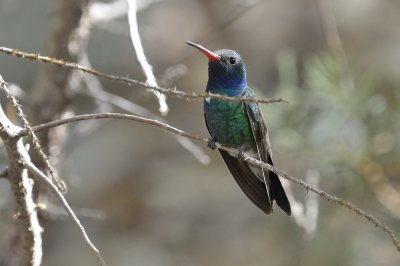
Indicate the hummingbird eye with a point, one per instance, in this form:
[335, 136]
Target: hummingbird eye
[232, 60]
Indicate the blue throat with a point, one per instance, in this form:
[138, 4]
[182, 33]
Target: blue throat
[230, 84]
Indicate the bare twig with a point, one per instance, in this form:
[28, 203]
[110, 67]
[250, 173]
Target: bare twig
[323, 194]
[35, 139]
[154, 122]
[168, 91]
[147, 68]
[43, 178]
[30, 231]
[233, 152]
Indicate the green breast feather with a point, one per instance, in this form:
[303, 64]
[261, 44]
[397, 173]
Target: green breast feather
[228, 123]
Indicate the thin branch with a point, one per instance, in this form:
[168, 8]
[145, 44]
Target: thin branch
[168, 91]
[147, 68]
[43, 178]
[323, 194]
[29, 229]
[36, 144]
[154, 122]
[235, 153]
[26, 187]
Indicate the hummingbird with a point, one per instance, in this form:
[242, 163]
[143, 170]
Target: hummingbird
[240, 125]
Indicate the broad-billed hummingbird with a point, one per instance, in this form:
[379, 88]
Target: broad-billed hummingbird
[240, 125]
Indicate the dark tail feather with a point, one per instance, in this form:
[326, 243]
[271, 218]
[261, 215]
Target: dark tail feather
[277, 192]
[251, 185]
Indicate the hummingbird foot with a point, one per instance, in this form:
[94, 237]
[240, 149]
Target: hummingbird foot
[211, 143]
[240, 153]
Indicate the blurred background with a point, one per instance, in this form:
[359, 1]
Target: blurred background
[145, 199]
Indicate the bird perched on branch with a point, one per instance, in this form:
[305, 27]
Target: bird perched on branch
[240, 125]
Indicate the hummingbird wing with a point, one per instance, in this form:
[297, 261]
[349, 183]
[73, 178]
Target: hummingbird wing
[251, 184]
[260, 133]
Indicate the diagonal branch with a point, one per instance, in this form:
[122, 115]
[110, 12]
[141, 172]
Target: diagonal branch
[43, 178]
[233, 152]
[168, 91]
[35, 139]
[136, 118]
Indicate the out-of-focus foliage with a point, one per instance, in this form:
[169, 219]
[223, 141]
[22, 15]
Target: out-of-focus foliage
[351, 135]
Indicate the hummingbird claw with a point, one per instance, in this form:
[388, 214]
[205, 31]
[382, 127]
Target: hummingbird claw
[211, 143]
[240, 153]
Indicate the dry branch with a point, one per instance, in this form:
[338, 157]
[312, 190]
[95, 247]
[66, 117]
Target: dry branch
[35, 140]
[43, 178]
[168, 91]
[233, 152]
[30, 231]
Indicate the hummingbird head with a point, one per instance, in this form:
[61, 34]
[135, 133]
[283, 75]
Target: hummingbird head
[226, 70]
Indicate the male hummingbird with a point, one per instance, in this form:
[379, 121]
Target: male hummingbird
[240, 125]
